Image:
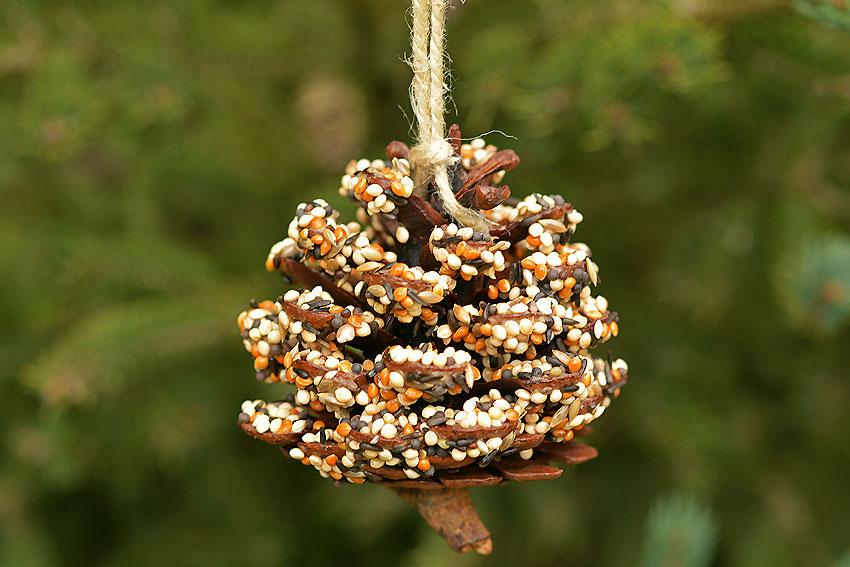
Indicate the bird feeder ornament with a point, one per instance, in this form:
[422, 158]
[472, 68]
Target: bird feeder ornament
[445, 340]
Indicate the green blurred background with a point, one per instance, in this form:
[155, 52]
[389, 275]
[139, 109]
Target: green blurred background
[151, 153]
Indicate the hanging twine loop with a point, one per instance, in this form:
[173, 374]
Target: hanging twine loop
[433, 156]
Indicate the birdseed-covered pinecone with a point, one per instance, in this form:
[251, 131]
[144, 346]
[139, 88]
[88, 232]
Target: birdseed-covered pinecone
[420, 348]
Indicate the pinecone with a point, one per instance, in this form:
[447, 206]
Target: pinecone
[428, 356]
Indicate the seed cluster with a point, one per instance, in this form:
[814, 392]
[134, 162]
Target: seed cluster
[467, 252]
[417, 346]
[378, 187]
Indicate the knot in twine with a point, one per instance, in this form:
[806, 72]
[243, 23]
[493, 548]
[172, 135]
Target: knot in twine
[433, 156]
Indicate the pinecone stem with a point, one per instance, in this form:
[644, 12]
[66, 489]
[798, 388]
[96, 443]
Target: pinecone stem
[451, 513]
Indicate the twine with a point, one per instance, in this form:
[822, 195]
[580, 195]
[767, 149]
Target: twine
[433, 155]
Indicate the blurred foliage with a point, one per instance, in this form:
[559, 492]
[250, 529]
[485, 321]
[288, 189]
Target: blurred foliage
[150, 154]
[679, 532]
[835, 13]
